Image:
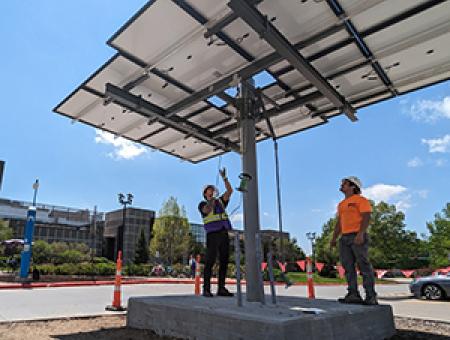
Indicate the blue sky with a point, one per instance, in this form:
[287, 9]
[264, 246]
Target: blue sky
[399, 148]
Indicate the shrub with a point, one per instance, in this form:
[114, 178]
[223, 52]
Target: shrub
[101, 260]
[328, 270]
[46, 269]
[137, 269]
[71, 256]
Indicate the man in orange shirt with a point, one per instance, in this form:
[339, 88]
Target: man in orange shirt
[352, 222]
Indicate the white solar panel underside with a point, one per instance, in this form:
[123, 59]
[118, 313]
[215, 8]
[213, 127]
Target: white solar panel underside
[164, 48]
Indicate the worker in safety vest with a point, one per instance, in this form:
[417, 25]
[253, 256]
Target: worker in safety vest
[216, 224]
[352, 223]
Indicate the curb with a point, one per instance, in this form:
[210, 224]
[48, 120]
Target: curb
[33, 285]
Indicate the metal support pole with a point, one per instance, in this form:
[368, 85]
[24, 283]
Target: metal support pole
[251, 210]
[271, 278]
[237, 256]
[259, 257]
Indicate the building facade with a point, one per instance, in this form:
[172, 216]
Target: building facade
[198, 231]
[123, 229]
[56, 223]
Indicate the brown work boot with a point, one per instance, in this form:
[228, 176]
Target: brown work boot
[353, 298]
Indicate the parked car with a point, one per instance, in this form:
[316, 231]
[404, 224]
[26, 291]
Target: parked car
[434, 287]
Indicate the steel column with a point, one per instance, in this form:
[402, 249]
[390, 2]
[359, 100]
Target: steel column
[251, 208]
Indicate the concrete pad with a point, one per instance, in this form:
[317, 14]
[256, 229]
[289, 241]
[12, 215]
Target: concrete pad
[202, 318]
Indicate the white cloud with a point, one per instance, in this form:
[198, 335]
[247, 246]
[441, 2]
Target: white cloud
[123, 148]
[415, 162]
[392, 194]
[438, 145]
[404, 203]
[430, 111]
[266, 214]
[383, 192]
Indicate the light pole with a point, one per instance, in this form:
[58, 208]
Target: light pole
[312, 237]
[124, 202]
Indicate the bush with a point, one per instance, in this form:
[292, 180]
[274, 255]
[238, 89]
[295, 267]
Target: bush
[180, 269]
[231, 271]
[105, 269]
[46, 269]
[77, 269]
[137, 269]
[101, 260]
[329, 271]
[276, 274]
[71, 256]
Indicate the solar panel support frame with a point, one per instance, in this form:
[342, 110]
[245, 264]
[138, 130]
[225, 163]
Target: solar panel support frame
[279, 43]
[149, 110]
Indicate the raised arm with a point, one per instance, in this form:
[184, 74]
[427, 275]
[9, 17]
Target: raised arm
[229, 190]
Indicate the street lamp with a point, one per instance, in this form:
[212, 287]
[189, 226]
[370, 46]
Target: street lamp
[312, 237]
[124, 202]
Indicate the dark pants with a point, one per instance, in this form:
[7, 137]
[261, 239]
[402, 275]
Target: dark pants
[216, 242]
[352, 254]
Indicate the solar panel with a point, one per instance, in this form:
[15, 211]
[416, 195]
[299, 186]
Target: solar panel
[166, 85]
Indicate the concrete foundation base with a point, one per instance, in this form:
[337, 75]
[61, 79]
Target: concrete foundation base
[192, 317]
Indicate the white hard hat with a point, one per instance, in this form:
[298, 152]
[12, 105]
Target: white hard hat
[355, 180]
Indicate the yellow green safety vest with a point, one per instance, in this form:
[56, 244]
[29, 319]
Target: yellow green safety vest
[213, 217]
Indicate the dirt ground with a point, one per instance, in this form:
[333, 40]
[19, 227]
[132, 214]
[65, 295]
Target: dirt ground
[113, 328]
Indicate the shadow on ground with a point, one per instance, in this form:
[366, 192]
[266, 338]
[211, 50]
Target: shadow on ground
[414, 335]
[124, 333]
[121, 333]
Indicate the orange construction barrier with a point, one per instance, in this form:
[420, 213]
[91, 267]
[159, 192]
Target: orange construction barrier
[116, 304]
[197, 275]
[309, 276]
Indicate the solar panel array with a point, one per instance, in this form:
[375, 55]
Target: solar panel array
[175, 59]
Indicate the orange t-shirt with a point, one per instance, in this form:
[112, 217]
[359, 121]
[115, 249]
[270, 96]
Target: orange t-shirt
[350, 213]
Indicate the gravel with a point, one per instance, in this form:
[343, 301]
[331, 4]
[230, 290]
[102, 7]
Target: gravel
[113, 328]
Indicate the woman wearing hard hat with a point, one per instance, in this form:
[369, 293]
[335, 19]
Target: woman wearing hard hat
[216, 224]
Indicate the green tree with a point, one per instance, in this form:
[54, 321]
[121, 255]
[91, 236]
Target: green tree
[171, 238]
[439, 241]
[291, 250]
[391, 244]
[322, 248]
[5, 231]
[142, 253]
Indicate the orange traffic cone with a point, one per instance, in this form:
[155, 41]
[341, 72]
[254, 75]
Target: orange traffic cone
[309, 276]
[116, 304]
[197, 275]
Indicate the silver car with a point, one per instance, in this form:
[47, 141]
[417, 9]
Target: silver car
[434, 287]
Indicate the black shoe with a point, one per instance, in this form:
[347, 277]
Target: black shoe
[207, 293]
[371, 300]
[352, 298]
[224, 292]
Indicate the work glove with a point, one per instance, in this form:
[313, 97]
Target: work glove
[223, 173]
